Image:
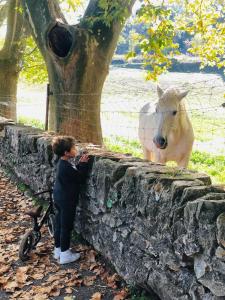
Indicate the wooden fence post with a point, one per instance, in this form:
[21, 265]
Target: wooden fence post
[49, 93]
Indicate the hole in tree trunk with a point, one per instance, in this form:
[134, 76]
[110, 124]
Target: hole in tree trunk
[60, 40]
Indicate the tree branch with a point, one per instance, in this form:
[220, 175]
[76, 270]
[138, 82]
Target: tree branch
[94, 10]
[107, 25]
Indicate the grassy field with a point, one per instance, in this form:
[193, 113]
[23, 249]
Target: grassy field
[126, 91]
[201, 161]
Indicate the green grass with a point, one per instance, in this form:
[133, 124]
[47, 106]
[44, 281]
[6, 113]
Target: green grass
[122, 145]
[213, 165]
[207, 128]
[31, 122]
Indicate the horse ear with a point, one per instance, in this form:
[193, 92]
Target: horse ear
[183, 94]
[159, 91]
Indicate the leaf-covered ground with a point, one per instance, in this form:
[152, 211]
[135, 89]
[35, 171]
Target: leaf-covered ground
[41, 277]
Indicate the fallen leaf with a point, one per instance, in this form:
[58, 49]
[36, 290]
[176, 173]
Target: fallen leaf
[55, 292]
[81, 248]
[93, 266]
[84, 266]
[91, 256]
[3, 280]
[74, 282]
[4, 269]
[96, 296]
[37, 276]
[69, 290]
[41, 289]
[99, 270]
[111, 280]
[40, 297]
[53, 278]
[21, 275]
[10, 286]
[121, 295]
[88, 281]
[2, 258]
[16, 295]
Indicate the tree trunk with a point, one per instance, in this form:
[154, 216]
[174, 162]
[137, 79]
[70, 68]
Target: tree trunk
[77, 87]
[8, 89]
[10, 57]
[77, 59]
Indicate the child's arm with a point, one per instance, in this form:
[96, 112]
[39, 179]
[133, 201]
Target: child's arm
[79, 173]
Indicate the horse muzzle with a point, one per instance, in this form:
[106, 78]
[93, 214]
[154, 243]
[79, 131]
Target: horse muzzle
[160, 142]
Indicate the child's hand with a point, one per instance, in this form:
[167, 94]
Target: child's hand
[84, 158]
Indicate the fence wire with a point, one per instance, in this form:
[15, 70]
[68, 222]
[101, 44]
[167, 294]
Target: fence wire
[120, 107]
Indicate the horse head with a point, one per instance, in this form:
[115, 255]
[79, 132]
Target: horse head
[167, 115]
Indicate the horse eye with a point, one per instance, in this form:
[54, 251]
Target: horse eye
[174, 112]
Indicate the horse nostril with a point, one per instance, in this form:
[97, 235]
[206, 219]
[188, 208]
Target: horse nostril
[160, 142]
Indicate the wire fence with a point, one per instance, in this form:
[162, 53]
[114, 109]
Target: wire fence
[121, 101]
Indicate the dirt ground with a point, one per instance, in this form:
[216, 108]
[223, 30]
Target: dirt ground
[41, 277]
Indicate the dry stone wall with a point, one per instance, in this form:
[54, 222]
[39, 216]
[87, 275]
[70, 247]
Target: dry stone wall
[161, 228]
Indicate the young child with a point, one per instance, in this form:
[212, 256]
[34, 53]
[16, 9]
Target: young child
[66, 192]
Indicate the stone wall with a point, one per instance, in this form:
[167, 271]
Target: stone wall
[161, 228]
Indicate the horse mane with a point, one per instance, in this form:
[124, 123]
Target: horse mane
[183, 116]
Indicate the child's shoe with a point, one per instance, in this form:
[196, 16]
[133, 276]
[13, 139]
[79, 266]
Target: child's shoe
[68, 257]
[56, 253]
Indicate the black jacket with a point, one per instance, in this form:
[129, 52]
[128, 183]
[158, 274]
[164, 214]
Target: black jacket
[68, 180]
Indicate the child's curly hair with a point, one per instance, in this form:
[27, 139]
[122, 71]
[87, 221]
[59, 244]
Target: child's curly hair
[60, 144]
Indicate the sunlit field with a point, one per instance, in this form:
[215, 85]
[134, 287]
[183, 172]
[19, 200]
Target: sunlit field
[126, 91]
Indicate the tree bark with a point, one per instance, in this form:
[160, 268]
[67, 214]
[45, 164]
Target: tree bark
[8, 89]
[77, 59]
[10, 56]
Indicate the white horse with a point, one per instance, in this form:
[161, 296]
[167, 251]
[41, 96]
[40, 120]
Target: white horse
[166, 133]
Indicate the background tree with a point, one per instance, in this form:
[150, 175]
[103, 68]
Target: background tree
[202, 24]
[77, 59]
[33, 68]
[10, 57]
[78, 56]
[3, 11]
[205, 22]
